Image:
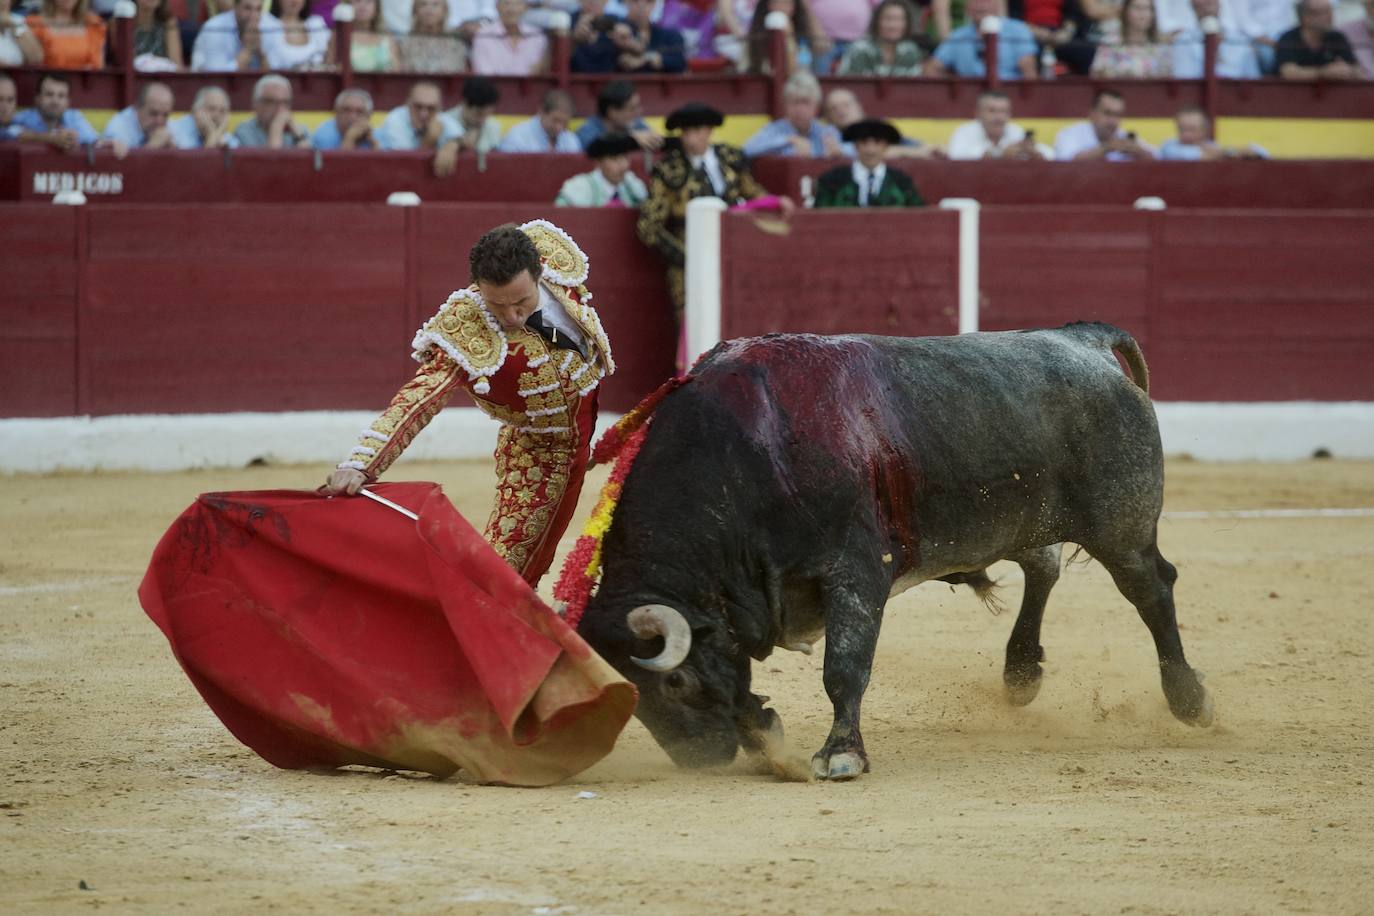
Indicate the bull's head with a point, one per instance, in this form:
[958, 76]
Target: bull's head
[693, 682]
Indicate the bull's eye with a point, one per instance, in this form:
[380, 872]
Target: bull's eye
[680, 684]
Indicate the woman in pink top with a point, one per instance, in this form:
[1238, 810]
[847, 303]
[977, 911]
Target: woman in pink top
[508, 47]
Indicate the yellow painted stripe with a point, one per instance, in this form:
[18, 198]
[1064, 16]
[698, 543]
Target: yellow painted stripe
[1283, 138]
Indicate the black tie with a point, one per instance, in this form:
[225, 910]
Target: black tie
[873, 189]
[538, 325]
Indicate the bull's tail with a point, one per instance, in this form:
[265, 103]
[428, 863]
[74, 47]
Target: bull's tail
[1121, 343]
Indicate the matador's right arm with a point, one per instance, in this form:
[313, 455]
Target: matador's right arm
[411, 410]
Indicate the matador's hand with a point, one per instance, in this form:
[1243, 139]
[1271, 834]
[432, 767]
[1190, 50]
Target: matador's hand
[344, 482]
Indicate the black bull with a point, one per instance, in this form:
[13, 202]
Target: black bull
[799, 481]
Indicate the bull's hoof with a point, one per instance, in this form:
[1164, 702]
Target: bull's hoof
[1189, 701]
[839, 767]
[1023, 685]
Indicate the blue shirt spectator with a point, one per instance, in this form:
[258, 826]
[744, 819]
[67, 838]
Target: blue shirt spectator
[645, 47]
[352, 120]
[595, 126]
[220, 39]
[30, 120]
[398, 130]
[961, 54]
[1236, 58]
[185, 134]
[533, 136]
[775, 139]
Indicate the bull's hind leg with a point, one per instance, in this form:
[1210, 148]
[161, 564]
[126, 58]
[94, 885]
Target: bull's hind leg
[1024, 653]
[853, 616]
[1147, 581]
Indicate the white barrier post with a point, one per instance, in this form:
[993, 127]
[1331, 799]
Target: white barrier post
[1150, 203]
[968, 260]
[702, 276]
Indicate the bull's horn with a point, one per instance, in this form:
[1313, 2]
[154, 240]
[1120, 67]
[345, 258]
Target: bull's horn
[660, 620]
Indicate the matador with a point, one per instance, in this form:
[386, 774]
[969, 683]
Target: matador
[526, 344]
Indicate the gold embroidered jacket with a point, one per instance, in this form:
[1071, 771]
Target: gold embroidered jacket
[674, 183]
[515, 377]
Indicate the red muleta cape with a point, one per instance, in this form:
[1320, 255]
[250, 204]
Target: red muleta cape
[326, 632]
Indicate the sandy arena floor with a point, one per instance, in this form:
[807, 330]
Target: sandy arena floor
[122, 792]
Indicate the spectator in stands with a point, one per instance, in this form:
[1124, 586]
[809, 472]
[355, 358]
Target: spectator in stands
[805, 40]
[1236, 59]
[1102, 21]
[961, 54]
[144, 126]
[619, 109]
[1360, 34]
[71, 36]
[1314, 50]
[692, 167]
[509, 47]
[18, 47]
[1138, 53]
[9, 109]
[419, 123]
[233, 40]
[992, 135]
[800, 133]
[272, 125]
[695, 21]
[611, 183]
[890, 47]
[53, 121]
[844, 22]
[481, 130]
[430, 47]
[546, 132]
[465, 17]
[644, 47]
[1101, 136]
[1054, 24]
[351, 126]
[867, 181]
[842, 109]
[592, 48]
[732, 30]
[1194, 142]
[303, 42]
[207, 126]
[157, 37]
[371, 50]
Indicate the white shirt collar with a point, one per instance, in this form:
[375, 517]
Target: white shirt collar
[553, 313]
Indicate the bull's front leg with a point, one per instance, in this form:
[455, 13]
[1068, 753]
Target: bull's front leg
[852, 621]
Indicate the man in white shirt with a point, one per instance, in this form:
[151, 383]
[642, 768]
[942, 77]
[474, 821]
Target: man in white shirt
[233, 40]
[991, 135]
[418, 124]
[1101, 136]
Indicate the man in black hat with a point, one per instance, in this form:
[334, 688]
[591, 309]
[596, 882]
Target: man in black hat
[868, 182]
[692, 167]
[611, 183]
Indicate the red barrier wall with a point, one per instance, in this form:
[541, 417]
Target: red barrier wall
[262, 176]
[125, 309]
[221, 308]
[1228, 305]
[841, 272]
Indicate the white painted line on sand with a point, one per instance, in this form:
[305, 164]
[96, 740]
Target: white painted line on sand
[1271, 513]
[68, 586]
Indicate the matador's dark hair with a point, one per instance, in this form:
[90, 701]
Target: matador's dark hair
[501, 254]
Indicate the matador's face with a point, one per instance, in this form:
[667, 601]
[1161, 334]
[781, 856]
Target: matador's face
[513, 302]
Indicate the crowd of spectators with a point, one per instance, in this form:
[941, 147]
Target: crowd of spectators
[1117, 39]
[811, 127]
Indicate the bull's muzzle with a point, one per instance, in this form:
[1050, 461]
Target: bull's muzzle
[660, 620]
